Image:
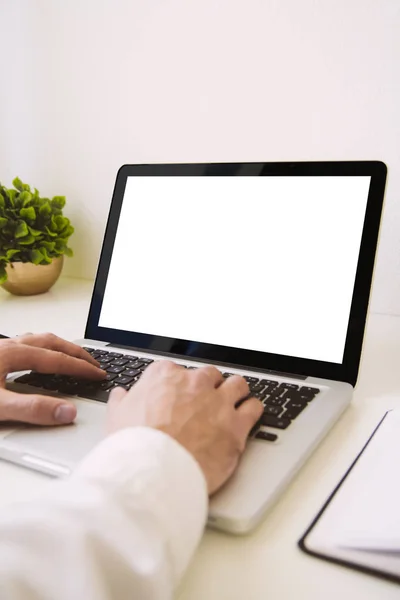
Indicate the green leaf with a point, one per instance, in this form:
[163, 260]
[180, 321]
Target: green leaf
[34, 232]
[50, 233]
[66, 233]
[3, 222]
[28, 240]
[60, 222]
[3, 274]
[46, 257]
[58, 202]
[2, 200]
[48, 245]
[21, 230]
[60, 244]
[53, 224]
[17, 183]
[25, 198]
[68, 251]
[45, 209]
[28, 213]
[36, 257]
[11, 194]
[12, 252]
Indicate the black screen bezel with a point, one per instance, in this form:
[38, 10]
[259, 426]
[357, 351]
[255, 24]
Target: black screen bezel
[348, 370]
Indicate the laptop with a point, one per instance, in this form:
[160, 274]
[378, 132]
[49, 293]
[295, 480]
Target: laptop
[262, 269]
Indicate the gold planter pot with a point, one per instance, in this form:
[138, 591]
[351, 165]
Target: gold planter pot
[27, 279]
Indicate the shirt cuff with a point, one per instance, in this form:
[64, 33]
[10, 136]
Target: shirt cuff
[153, 470]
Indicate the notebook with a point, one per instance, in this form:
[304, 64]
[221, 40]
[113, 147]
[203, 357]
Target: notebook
[359, 525]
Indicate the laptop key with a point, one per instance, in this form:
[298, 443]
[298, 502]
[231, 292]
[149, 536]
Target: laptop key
[292, 396]
[147, 361]
[275, 422]
[104, 360]
[289, 386]
[27, 378]
[269, 389]
[71, 389]
[269, 382]
[309, 391]
[303, 398]
[295, 405]
[115, 354]
[106, 385]
[307, 396]
[256, 387]
[122, 380]
[272, 410]
[111, 376]
[119, 362]
[136, 364]
[37, 379]
[259, 395]
[92, 386]
[90, 389]
[273, 401]
[116, 370]
[266, 435]
[251, 379]
[51, 384]
[299, 397]
[279, 392]
[292, 413]
[132, 372]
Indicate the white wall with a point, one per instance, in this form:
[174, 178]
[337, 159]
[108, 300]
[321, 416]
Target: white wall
[87, 85]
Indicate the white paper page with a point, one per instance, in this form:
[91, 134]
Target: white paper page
[365, 512]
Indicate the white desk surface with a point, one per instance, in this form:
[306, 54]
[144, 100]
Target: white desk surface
[266, 564]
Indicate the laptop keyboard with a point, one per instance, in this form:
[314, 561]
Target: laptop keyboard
[283, 401]
[122, 371]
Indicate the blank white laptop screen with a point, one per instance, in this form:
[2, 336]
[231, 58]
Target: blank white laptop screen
[261, 263]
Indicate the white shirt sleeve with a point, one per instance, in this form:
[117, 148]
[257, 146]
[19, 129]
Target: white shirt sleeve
[124, 526]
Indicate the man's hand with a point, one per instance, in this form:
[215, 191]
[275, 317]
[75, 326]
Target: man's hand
[197, 408]
[45, 353]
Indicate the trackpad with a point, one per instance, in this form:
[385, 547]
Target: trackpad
[56, 450]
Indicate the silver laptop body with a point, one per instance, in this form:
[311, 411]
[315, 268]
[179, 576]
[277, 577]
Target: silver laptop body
[262, 269]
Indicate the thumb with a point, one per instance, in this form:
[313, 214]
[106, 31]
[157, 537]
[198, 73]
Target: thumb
[35, 409]
[115, 396]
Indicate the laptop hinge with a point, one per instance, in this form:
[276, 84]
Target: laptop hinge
[212, 362]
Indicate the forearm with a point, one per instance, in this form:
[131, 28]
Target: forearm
[125, 525]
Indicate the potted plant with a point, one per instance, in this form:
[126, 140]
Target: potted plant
[33, 239]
